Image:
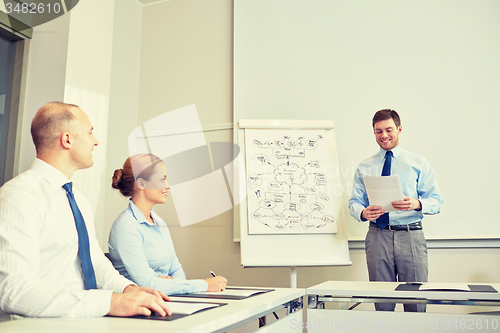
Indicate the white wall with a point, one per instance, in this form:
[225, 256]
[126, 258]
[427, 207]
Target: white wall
[123, 106]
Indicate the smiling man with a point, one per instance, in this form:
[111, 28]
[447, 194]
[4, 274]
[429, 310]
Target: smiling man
[51, 264]
[395, 244]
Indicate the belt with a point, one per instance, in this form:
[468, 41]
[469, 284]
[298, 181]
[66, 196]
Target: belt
[398, 227]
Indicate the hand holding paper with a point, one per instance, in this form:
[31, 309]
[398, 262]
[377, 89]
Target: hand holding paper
[371, 213]
[408, 203]
[383, 190]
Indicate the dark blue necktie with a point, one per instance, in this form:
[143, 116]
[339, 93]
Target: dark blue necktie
[383, 221]
[83, 240]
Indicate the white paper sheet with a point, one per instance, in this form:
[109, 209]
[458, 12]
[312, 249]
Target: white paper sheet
[189, 308]
[445, 286]
[383, 190]
[233, 292]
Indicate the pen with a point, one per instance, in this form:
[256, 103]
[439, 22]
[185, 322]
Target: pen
[213, 274]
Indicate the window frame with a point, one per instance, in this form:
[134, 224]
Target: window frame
[19, 34]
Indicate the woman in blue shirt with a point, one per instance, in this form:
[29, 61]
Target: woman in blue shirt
[140, 245]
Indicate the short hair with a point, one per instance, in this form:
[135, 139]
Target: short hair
[135, 166]
[384, 115]
[50, 122]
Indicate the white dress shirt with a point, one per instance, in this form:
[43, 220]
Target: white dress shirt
[40, 271]
[417, 181]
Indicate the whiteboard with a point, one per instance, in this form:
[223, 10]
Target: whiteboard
[435, 62]
[293, 214]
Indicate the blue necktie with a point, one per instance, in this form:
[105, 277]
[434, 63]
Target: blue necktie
[383, 221]
[83, 240]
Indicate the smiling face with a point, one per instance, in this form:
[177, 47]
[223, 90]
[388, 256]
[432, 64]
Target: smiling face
[387, 134]
[156, 187]
[84, 140]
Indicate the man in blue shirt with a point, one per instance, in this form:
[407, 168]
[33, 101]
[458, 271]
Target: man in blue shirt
[398, 252]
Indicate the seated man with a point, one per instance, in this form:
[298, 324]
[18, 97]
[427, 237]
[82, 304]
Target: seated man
[50, 262]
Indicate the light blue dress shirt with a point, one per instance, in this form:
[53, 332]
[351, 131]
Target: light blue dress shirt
[417, 181]
[141, 251]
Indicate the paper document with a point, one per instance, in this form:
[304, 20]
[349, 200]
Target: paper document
[234, 292]
[229, 293]
[189, 308]
[383, 190]
[445, 286]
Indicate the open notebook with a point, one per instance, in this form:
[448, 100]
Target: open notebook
[182, 309]
[229, 293]
[463, 287]
[188, 308]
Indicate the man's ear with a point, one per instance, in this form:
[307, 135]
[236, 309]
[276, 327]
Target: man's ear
[65, 140]
[140, 183]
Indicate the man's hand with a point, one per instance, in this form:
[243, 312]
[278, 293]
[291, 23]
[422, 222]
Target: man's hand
[139, 301]
[167, 277]
[133, 289]
[408, 203]
[371, 213]
[217, 283]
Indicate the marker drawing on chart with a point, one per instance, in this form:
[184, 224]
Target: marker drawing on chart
[288, 184]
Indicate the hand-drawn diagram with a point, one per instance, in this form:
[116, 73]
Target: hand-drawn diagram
[287, 182]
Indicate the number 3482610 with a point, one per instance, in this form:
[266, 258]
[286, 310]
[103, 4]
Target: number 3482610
[33, 8]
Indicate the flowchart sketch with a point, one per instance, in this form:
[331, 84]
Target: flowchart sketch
[289, 182]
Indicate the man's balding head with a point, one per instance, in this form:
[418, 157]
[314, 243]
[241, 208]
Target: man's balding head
[50, 122]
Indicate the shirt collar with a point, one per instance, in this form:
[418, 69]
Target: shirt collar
[396, 152]
[139, 216]
[52, 175]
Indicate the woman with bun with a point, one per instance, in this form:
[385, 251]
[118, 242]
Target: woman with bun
[140, 246]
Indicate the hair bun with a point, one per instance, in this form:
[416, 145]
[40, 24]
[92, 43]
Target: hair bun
[117, 178]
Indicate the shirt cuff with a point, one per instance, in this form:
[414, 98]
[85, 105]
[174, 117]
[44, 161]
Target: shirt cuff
[94, 303]
[201, 284]
[130, 284]
[356, 212]
[424, 206]
[120, 286]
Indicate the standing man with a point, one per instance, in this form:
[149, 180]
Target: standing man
[50, 262]
[395, 244]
